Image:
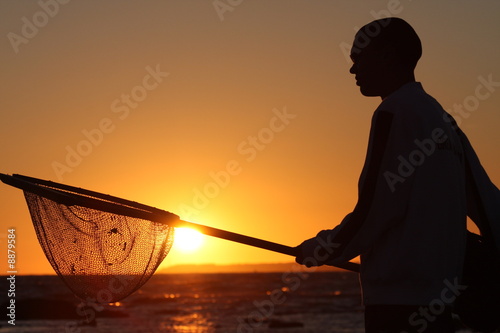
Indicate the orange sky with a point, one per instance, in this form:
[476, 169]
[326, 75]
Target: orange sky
[261, 88]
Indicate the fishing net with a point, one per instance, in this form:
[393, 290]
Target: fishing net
[101, 256]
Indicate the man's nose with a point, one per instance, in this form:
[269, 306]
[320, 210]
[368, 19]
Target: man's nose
[352, 70]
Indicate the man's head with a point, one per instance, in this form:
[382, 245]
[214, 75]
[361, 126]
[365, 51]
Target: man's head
[384, 54]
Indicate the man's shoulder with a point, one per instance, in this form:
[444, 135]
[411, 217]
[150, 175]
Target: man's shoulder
[411, 99]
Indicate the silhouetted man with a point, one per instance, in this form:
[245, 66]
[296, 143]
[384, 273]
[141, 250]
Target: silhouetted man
[409, 224]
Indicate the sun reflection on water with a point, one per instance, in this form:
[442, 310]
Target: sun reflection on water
[117, 304]
[188, 323]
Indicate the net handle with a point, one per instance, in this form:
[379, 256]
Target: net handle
[109, 204]
[256, 242]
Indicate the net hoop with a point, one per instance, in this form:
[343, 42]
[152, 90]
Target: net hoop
[71, 196]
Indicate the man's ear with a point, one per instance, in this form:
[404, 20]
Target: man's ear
[389, 54]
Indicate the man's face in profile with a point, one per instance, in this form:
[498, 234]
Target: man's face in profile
[369, 67]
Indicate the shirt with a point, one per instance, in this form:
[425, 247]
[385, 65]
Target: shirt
[409, 224]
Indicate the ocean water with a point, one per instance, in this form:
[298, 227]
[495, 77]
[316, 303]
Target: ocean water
[197, 303]
[290, 302]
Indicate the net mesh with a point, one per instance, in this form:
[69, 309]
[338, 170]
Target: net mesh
[101, 256]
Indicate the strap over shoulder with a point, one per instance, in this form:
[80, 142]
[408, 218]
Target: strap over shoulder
[483, 197]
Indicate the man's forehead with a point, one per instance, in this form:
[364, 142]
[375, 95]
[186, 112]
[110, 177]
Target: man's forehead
[361, 42]
[358, 50]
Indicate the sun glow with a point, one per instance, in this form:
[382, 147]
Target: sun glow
[187, 240]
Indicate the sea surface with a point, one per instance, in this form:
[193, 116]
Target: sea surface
[196, 303]
[290, 302]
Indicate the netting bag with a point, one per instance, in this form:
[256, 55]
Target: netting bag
[101, 256]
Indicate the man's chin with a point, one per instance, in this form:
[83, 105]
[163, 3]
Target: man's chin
[366, 91]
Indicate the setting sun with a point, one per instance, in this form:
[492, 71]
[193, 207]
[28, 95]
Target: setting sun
[187, 240]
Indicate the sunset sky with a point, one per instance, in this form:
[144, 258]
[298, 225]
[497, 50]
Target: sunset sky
[239, 115]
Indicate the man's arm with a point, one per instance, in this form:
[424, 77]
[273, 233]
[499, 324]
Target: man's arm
[378, 206]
